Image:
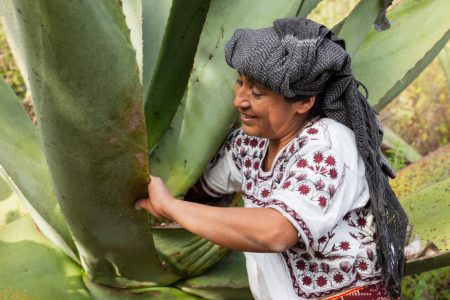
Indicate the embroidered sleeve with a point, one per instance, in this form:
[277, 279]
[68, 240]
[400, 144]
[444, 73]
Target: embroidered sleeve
[310, 193]
[223, 174]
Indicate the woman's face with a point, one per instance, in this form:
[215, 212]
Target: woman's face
[267, 114]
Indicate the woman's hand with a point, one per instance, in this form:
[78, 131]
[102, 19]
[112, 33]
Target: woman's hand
[159, 199]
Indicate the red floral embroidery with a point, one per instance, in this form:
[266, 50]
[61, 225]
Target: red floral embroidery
[312, 131]
[318, 157]
[307, 280]
[333, 173]
[330, 160]
[248, 186]
[253, 142]
[248, 163]
[321, 281]
[361, 222]
[301, 265]
[302, 163]
[338, 277]
[344, 245]
[304, 189]
[323, 201]
[256, 165]
[286, 185]
[265, 193]
[362, 266]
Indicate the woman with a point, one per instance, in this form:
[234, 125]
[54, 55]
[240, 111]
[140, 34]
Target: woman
[320, 216]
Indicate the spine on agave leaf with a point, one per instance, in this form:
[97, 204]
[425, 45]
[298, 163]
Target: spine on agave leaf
[206, 114]
[174, 65]
[22, 164]
[386, 62]
[88, 99]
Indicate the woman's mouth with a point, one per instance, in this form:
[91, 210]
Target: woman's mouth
[245, 117]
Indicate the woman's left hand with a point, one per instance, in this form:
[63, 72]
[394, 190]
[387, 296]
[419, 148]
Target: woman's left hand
[159, 199]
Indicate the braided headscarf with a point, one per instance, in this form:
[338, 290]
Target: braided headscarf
[298, 57]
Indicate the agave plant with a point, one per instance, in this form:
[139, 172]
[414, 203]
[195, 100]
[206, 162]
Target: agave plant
[121, 85]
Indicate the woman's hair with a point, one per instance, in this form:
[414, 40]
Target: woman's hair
[316, 109]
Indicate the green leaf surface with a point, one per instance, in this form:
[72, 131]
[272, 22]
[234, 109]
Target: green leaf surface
[23, 166]
[387, 61]
[174, 65]
[226, 280]
[185, 252]
[160, 293]
[155, 14]
[432, 168]
[358, 23]
[306, 6]
[10, 206]
[429, 210]
[33, 268]
[88, 100]
[444, 59]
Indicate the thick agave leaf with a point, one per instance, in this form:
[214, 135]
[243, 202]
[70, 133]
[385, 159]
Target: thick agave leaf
[398, 145]
[88, 99]
[432, 168]
[33, 268]
[174, 65]
[444, 58]
[155, 14]
[424, 264]
[188, 254]
[387, 61]
[161, 293]
[10, 206]
[306, 6]
[358, 23]
[133, 17]
[23, 166]
[428, 210]
[227, 280]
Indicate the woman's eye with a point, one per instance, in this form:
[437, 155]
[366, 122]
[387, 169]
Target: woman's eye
[256, 93]
[239, 81]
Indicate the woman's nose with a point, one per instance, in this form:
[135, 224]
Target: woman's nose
[241, 97]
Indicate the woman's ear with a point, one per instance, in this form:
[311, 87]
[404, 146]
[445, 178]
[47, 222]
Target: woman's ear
[305, 105]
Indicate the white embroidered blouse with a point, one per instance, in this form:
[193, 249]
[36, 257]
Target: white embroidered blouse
[318, 183]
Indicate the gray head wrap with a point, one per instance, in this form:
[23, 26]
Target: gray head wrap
[298, 57]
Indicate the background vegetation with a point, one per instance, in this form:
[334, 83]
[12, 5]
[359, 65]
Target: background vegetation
[420, 115]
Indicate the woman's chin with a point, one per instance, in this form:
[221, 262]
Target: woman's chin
[250, 131]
